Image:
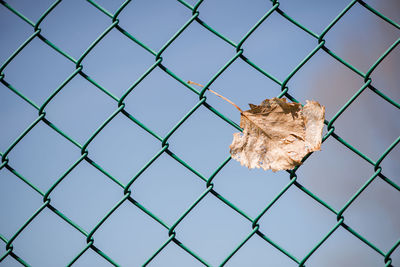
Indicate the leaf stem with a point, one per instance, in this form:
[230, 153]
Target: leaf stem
[221, 96]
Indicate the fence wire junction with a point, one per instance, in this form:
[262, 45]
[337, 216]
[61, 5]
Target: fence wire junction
[238, 53]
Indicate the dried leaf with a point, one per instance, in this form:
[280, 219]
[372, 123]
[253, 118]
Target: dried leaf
[277, 134]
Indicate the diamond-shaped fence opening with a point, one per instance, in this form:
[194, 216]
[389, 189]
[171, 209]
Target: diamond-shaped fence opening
[111, 159]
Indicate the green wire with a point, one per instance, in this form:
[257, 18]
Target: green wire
[238, 53]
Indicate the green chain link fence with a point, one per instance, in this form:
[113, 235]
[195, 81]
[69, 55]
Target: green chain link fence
[237, 54]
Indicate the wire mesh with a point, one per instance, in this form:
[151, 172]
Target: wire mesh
[238, 54]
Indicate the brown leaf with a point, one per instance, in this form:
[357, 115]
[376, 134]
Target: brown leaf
[277, 134]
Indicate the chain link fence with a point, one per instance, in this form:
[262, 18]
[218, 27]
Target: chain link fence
[238, 54]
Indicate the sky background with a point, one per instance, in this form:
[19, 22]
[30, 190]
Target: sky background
[212, 229]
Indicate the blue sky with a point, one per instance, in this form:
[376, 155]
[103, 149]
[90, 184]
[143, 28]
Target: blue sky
[212, 229]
